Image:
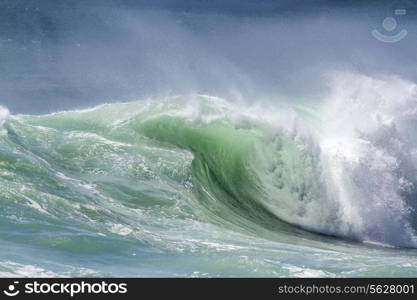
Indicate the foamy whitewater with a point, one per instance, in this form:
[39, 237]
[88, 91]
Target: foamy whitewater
[195, 185]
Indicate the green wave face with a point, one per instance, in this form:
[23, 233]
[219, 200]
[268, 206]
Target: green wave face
[244, 171]
[167, 186]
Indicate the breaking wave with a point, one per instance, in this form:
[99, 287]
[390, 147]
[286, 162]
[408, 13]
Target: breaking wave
[345, 166]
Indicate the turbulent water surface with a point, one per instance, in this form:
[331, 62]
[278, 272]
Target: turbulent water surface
[197, 186]
[181, 138]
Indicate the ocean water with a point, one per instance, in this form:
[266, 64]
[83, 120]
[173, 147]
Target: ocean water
[197, 186]
[188, 138]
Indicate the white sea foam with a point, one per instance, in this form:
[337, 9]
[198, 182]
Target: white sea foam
[367, 144]
[13, 269]
[4, 115]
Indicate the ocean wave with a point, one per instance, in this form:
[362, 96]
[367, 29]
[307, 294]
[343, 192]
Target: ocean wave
[345, 167]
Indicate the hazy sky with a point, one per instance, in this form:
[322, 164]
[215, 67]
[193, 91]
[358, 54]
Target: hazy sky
[73, 54]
